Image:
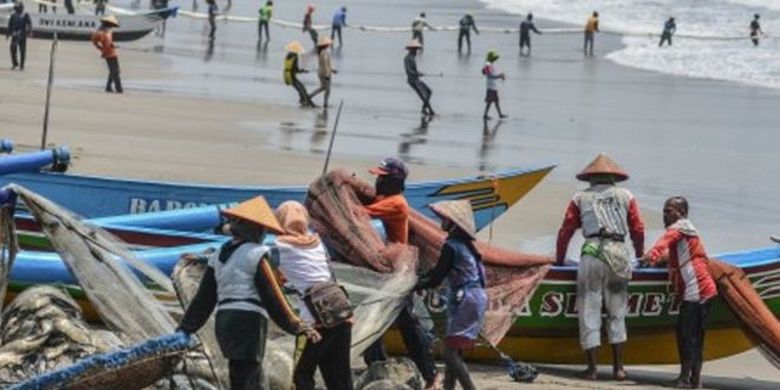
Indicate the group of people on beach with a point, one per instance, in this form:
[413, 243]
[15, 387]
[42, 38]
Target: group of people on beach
[241, 283]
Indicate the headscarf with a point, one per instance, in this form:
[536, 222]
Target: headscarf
[295, 220]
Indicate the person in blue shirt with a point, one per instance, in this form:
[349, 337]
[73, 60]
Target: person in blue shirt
[669, 29]
[339, 21]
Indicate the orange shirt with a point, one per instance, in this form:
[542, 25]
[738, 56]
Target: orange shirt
[104, 41]
[394, 213]
[592, 25]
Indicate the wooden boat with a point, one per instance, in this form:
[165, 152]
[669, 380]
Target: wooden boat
[80, 26]
[54, 159]
[185, 207]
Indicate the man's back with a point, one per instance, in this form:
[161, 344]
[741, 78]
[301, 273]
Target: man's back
[592, 25]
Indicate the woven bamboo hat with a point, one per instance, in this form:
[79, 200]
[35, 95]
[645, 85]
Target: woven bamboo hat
[459, 212]
[603, 165]
[256, 211]
[414, 44]
[110, 19]
[324, 41]
[295, 47]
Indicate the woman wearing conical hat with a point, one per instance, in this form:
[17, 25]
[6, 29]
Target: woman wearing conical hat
[461, 264]
[241, 285]
[607, 214]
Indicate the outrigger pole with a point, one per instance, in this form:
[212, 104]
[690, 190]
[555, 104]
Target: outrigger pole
[52, 56]
[332, 138]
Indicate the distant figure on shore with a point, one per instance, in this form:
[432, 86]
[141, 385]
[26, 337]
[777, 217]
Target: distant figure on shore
[418, 25]
[291, 70]
[489, 71]
[265, 14]
[43, 8]
[103, 39]
[606, 214]
[526, 26]
[339, 22]
[100, 7]
[413, 77]
[755, 30]
[19, 28]
[212, 10]
[160, 4]
[691, 280]
[325, 70]
[307, 25]
[670, 27]
[591, 28]
[466, 25]
[69, 7]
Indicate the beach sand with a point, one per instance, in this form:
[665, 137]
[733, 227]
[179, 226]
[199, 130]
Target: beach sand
[230, 120]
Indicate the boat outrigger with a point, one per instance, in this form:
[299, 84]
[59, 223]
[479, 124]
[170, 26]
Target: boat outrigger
[80, 25]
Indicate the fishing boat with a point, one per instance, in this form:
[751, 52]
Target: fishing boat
[52, 159]
[81, 25]
[194, 207]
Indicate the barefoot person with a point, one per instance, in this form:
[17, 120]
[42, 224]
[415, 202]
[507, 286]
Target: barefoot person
[489, 71]
[670, 27]
[606, 214]
[291, 70]
[466, 24]
[691, 280]
[241, 284]
[264, 18]
[755, 29]
[591, 28]
[413, 77]
[19, 28]
[103, 39]
[460, 263]
[526, 26]
[325, 70]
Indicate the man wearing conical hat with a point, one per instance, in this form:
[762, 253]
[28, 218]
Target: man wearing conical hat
[325, 70]
[103, 39]
[413, 77]
[606, 214]
[241, 284]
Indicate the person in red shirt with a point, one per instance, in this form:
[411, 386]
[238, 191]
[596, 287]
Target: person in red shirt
[103, 39]
[687, 263]
[606, 213]
[392, 209]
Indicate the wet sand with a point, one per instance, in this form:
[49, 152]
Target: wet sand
[230, 120]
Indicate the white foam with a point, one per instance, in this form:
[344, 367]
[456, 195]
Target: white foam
[721, 50]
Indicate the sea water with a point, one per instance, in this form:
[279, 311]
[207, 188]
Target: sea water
[712, 39]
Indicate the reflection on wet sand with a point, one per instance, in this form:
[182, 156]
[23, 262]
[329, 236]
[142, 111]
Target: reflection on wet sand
[487, 146]
[320, 132]
[209, 51]
[418, 136]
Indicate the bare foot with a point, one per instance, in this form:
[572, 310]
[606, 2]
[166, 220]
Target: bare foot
[587, 374]
[619, 375]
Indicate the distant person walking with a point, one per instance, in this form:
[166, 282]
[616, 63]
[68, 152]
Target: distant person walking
[212, 11]
[44, 8]
[100, 7]
[413, 77]
[308, 26]
[19, 27]
[526, 26]
[291, 70]
[670, 27]
[265, 13]
[325, 70]
[591, 28]
[755, 30]
[69, 7]
[339, 22]
[419, 24]
[489, 71]
[466, 25]
[103, 39]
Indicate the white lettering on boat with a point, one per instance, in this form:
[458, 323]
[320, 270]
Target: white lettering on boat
[62, 22]
[640, 304]
[143, 205]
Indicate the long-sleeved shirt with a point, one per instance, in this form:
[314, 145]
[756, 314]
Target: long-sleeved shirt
[572, 221]
[271, 297]
[103, 39]
[420, 24]
[687, 261]
[670, 27]
[213, 10]
[19, 24]
[340, 18]
[467, 23]
[307, 22]
[490, 76]
[592, 24]
[526, 26]
[325, 67]
[394, 212]
[410, 66]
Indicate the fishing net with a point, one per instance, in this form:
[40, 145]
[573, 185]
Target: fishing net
[746, 303]
[335, 204]
[8, 248]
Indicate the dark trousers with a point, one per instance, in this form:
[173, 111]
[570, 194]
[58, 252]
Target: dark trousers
[589, 43]
[416, 340]
[525, 41]
[461, 35]
[331, 355]
[100, 9]
[456, 371]
[212, 27]
[263, 24]
[418, 35]
[665, 38]
[69, 7]
[244, 375]
[18, 45]
[690, 334]
[113, 75]
[335, 30]
[314, 36]
[423, 91]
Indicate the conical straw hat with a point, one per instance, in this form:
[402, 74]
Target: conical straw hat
[110, 19]
[257, 211]
[459, 212]
[414, 44]
[603, 165]
[295, 47]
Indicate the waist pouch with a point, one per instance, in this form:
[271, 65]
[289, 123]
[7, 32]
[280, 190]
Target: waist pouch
[614, 254]
[329, 303]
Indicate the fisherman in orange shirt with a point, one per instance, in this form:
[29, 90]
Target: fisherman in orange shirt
[393, 210]
[103, 39]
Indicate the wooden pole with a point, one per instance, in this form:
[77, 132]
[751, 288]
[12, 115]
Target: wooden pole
[332, 138]
[49, 84]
